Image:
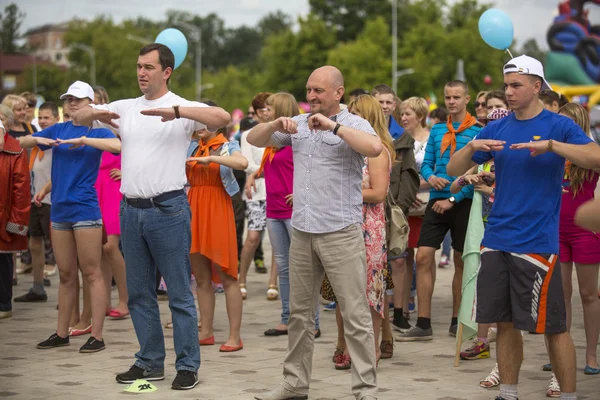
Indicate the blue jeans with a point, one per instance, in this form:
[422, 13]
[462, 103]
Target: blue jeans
[160, 237]
[280, 234]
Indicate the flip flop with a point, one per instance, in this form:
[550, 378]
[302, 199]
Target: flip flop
[116, 314]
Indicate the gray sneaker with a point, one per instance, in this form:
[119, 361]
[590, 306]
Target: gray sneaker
[453, 329]
[416, 334]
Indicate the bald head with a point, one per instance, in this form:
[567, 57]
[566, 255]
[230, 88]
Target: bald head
[328, 74]
[324, 90]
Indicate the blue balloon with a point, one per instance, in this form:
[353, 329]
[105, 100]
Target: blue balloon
[176, 42]
[496, 29]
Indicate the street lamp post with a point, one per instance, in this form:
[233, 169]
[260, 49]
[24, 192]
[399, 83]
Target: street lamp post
[92, 53]
[196, 35]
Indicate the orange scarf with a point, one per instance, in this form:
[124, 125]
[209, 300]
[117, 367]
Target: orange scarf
[35, 151]
[214, 143]
[449, 139]
[269, 154]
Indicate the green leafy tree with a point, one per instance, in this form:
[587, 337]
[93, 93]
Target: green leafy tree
[289, 57]
[11, 21]
[532, 49]
[365, 62]
[52, 81]
[348, 17]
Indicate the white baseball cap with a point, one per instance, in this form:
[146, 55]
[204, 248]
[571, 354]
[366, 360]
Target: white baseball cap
[80, 90]
[526, 65]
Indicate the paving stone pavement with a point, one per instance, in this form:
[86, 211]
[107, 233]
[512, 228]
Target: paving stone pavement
[417, 370]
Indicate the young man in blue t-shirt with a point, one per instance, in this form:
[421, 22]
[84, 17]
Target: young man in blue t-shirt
[522, 285]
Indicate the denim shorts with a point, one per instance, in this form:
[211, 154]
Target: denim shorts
[73, 226]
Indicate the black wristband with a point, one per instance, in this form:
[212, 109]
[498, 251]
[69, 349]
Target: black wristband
[336, 129]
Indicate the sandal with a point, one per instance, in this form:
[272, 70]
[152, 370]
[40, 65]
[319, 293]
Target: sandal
[243, 290]
[272, 293]
[553, 388]
[338, 352]
[492, 380]
[343, 362]
[387, 348]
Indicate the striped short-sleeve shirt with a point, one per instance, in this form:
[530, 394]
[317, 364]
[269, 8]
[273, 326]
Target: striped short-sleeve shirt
[327, 175]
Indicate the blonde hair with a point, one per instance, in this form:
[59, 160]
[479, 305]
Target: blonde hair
[12, 100]
[419, 106]
[482, 93]
[577, 174]
[8, 113]
[370, 110]
[284, 105]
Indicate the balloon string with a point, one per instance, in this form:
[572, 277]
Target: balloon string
[509, 53]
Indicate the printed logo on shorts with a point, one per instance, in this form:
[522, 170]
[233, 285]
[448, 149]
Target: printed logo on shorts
[537, 287]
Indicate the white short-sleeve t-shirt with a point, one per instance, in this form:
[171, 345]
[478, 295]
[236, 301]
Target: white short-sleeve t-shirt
[153, 152]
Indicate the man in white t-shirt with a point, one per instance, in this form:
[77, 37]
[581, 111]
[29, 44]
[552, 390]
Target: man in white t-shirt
[156, 131]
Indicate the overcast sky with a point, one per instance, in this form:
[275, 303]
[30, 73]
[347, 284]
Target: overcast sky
[531, 18]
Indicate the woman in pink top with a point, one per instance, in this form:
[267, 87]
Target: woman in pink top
[580, 246]
[278, 168]
[108, 186]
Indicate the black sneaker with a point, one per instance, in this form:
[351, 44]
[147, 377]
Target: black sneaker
[30, 297]
[401, 324]
[185, 380]
[452, 330]
[54, 341]
[92, 345]
[136, 373]
[502, 398]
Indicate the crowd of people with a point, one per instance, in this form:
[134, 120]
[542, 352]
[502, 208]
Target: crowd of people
[154, 195]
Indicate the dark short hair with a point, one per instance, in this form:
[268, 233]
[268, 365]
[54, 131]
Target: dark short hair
[53, 108]
[382, 89]
[259, 100]
[247, 123]
[458, 83]
[549, 96]
[210, 103]
[357, 92]
[165, 55]
[440, 113]
[496, 94]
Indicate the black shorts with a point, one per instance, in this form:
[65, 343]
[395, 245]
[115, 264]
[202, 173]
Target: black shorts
[525, 289]
[39, 221]
[435, 226]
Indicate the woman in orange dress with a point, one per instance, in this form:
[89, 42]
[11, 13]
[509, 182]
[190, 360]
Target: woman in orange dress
[214, 250]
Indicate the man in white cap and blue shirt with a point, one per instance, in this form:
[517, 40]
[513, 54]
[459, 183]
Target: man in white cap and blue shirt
[521, 276]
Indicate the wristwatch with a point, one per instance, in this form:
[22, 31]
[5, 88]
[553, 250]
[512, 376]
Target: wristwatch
[452, 200]
[176, 109]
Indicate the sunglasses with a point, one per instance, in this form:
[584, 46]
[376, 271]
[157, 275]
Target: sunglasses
[251, 113]
[478, 104]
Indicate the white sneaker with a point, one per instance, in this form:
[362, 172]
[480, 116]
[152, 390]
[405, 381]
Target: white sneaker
[492, 333]
[23, 268]
[281, 393]
[50, 270]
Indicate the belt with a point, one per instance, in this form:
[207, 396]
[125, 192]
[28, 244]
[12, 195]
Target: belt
[154, 201]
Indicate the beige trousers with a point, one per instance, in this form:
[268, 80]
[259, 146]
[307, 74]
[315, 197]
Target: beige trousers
[342, 256]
